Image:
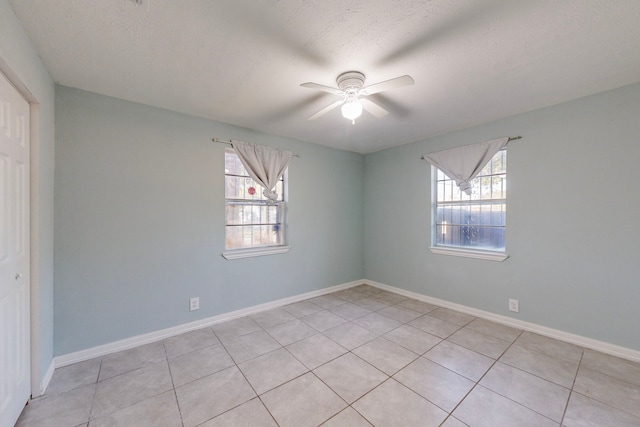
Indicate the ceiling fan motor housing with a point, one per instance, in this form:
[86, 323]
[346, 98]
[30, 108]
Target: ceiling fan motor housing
[350, 81]
[351, 88]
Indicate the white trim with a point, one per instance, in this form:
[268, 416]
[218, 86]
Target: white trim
[39, 382]
[247, 253]
[101, 350]
[47, 378]
[470, 253]
[604, 347]
[35, 385]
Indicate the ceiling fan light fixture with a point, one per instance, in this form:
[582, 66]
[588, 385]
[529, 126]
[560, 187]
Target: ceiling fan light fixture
[352, 110]
[351, 87]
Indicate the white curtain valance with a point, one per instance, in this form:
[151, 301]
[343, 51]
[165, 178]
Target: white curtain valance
[465, 163]
[264, 164]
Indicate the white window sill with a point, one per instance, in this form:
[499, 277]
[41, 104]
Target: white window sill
[248, 253]
[470, 253]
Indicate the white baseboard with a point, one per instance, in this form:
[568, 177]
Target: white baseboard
[101, 350]
[604, 347]
[46, 379]
[90, 353]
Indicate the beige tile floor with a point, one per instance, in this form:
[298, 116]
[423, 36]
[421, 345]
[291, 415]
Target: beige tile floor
[357, 357]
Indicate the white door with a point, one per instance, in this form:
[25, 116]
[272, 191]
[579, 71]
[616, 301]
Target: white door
[14, 253]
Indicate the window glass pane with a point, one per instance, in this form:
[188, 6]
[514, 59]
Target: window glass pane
[497, 239]
[490, 238]
[233, 165]
[245, 188]
[465, 214]
[237, 187]
[448, 190]
[470, 236]
[238, 214]
[498, 163]
[457, 195]
[484, 187]
[487, 169]
[443, 234]
[484, 213]
[274, 213]
[498, 186]
[484, 237]
[456, 215]
[477, 221]
[250, 221]
[449, 214]
[251, 236]
[498, 214]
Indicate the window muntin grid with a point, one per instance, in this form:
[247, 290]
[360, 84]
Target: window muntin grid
[476, 221]
[249, 221]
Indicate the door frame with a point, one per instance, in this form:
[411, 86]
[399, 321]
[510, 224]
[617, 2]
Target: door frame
[39, 380]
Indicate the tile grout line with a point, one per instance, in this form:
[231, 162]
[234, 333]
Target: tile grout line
[593, 398]
[95, 391]
[522, 370]
[254, 391]
[258, 396]
[407, 323]
[350, 351]
[450, 370]
[477, 383]
[308, 370]
[311, 371]
[143, 366]
[375, 367]
[173, 384]
[573, 384]
[241, 373]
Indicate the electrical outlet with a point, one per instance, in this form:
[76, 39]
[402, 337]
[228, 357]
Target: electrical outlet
[194, 304]
[513, 305]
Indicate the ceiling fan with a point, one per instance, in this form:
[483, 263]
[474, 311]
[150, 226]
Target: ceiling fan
[353, 92]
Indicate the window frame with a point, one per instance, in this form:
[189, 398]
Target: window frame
[247, 252]
[461, 251]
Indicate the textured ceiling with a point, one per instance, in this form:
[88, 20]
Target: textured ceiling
[242, 61]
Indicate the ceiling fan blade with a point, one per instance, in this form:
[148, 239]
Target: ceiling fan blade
[323, 88]
[325, 110]
[373, 108]
[386, 85]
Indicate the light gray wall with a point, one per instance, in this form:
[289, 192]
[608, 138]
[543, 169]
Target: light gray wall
[140, 221]
[572, 222]
[20, 61]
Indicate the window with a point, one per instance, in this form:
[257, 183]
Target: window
[252, 223]
[469, 225]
